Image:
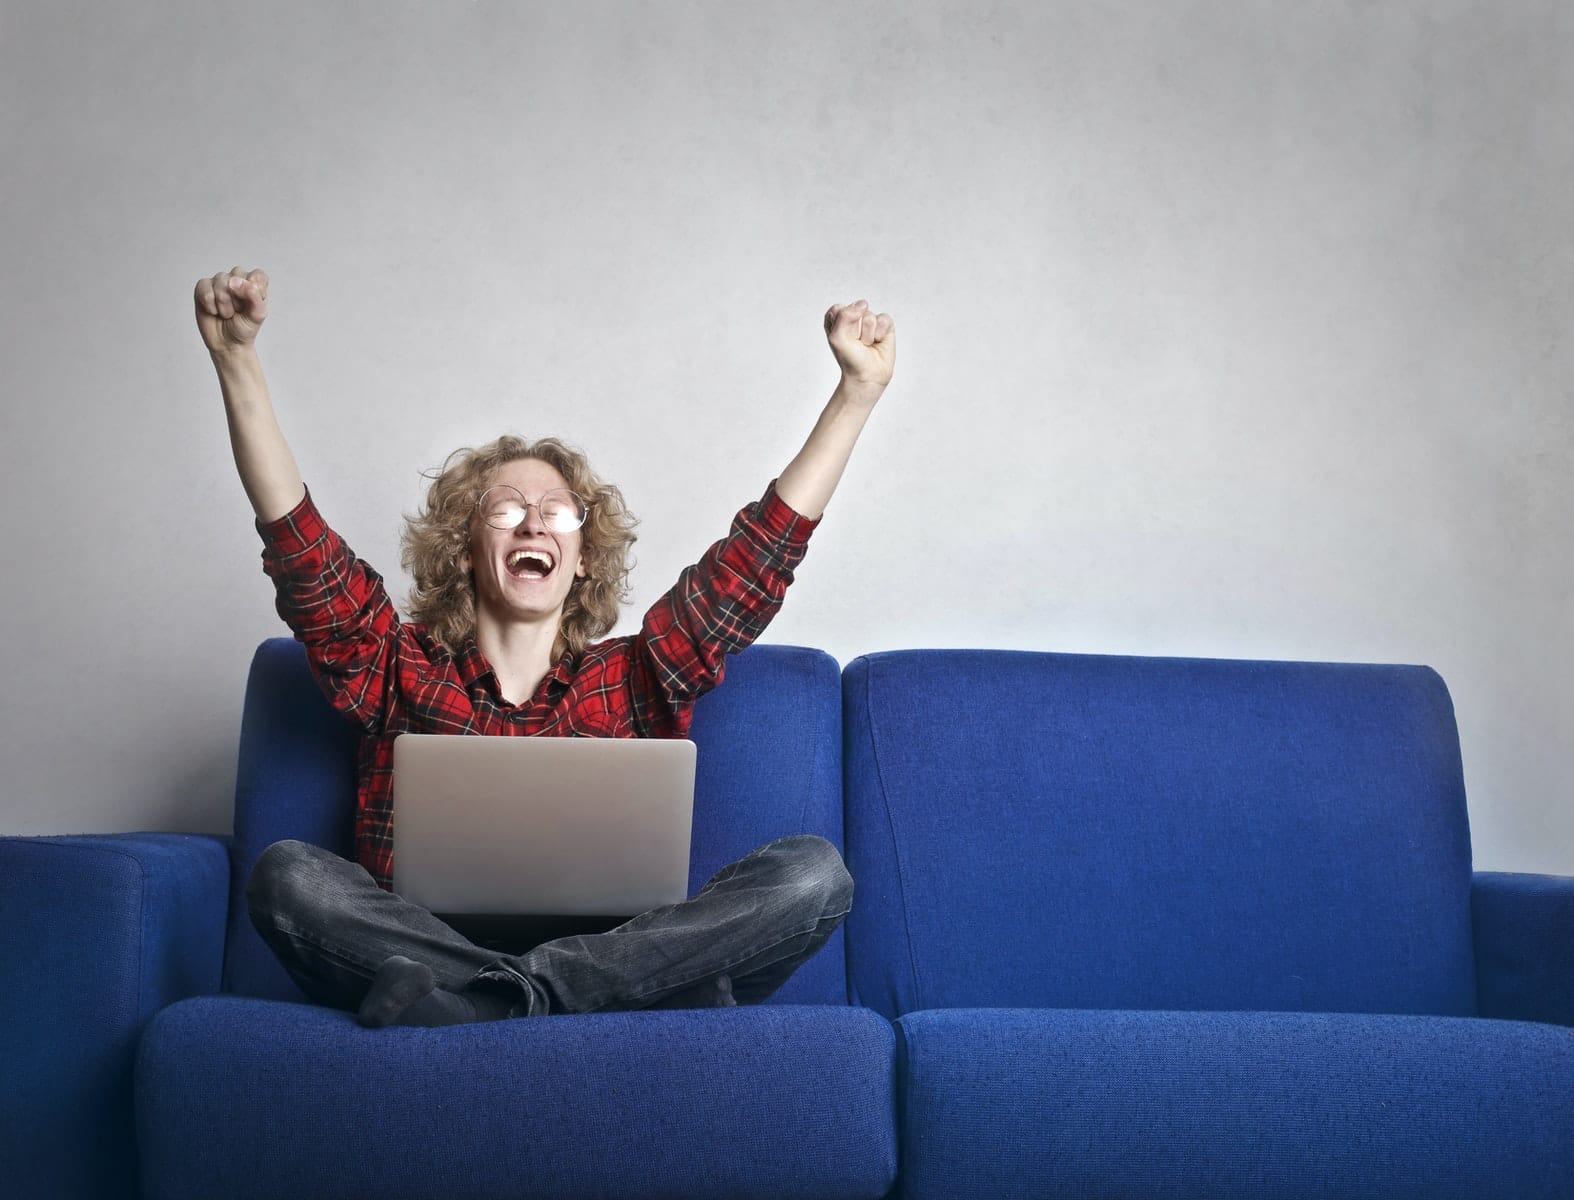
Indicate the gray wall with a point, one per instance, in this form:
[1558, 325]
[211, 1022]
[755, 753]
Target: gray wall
[1226, 329]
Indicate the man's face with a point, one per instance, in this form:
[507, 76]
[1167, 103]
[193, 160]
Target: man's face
[522, 593]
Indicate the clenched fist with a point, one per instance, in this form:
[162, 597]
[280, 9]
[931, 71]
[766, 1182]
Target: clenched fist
[864, 343]
[231, 308]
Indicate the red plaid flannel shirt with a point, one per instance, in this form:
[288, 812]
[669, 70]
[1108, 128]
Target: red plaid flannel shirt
[391, 677]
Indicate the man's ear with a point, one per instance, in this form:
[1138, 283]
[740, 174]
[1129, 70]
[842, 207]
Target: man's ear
[579, 568]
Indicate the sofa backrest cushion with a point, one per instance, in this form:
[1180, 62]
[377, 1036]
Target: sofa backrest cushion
[1087, 831]
[768, 743]
[295, 778]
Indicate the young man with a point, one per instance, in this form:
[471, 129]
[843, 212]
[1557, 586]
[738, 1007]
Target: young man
[519, 562]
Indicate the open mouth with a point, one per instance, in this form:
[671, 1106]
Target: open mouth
[529, 564]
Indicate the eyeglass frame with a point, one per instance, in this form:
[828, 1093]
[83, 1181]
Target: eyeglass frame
[527, 505]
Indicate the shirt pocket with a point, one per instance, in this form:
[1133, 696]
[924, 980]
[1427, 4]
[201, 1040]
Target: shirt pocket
[601, 721]
[439, 706]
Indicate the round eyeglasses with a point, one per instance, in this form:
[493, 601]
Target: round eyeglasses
[503, 507]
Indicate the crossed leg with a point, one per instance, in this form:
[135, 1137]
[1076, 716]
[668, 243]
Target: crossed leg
[745, 932]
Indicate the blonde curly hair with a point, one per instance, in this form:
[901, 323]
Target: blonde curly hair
[443, 598]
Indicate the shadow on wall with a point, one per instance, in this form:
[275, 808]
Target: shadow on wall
[195, 793]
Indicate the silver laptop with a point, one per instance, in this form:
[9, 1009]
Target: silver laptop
[542, 825]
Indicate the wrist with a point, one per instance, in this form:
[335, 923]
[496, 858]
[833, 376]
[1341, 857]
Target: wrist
[859, 392]
[233, 356]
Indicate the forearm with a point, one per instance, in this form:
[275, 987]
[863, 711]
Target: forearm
[267, 467]
[719, 606]
[808, 481]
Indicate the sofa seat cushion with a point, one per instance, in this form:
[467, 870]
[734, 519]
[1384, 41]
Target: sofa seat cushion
[240, 1097]
[1074, 1102]
[260, 1098]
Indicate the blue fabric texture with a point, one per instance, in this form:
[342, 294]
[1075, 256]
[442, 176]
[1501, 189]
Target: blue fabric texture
[768, 743]
[253, 1098]
[295, 778]
[1003, 1103]
[1524, 928]
[100, 932]
[1084, 831]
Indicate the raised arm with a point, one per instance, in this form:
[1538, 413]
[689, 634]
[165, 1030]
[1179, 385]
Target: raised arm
[334, 603]
[231, 308]
[865, 346]
[724, 602]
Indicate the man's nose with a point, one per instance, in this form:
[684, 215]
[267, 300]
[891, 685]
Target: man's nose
[532, 524]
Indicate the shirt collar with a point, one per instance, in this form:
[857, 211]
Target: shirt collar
[472, 664]
[475, 671]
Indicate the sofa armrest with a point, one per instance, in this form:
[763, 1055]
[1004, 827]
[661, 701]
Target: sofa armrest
[99, 933]
[1524, 942]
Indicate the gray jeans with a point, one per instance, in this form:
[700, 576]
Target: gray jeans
[755, 921]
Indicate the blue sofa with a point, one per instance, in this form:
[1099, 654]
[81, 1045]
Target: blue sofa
[1122, 927]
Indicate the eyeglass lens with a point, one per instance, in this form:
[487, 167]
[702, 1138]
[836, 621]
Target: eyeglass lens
[504, 508]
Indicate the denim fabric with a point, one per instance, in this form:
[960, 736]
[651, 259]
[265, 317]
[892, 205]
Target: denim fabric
[750, 927]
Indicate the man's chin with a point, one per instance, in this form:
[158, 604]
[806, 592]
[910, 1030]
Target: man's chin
[520, 608]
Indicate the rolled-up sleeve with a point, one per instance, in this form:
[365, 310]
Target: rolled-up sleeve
[336, 606]
[718, 607]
